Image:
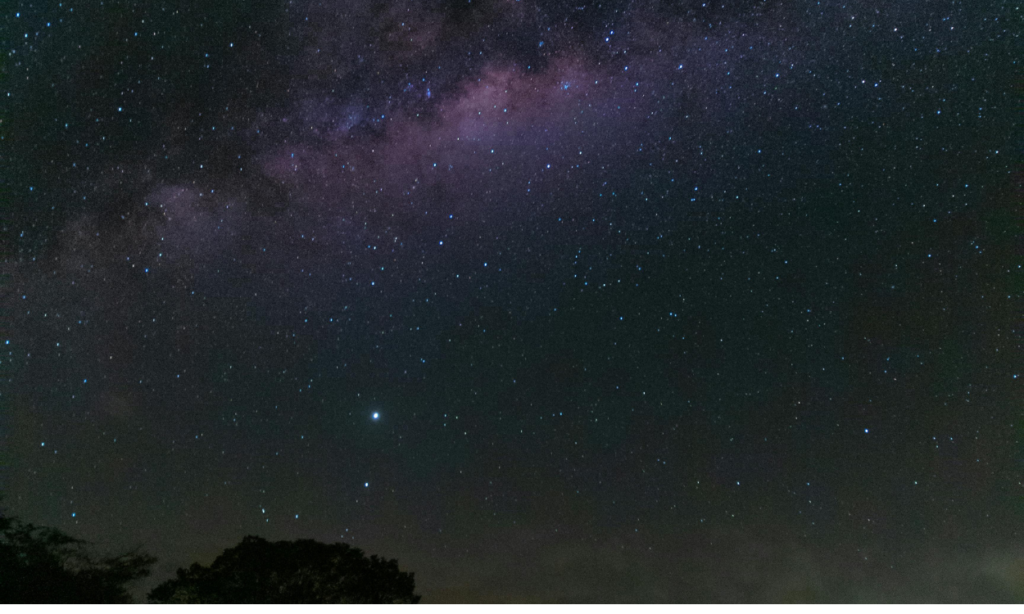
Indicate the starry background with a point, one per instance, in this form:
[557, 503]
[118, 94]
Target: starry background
[551, 301]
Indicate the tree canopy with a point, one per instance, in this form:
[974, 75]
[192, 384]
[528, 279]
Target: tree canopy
[45, 565]
[303, 571]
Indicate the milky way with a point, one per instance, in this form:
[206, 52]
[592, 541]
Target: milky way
[550, 301]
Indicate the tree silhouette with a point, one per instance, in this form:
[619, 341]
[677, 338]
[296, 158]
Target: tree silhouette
[303, 571]
[45, 565]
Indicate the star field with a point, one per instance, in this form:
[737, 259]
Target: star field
[550, 301]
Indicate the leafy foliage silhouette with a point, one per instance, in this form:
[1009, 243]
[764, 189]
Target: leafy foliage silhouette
[303, 571]
[45, 565]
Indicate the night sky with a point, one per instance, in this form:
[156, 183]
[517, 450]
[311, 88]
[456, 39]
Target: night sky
[550, 301]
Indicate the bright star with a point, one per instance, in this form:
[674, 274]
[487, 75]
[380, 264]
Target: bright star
[376, 415]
